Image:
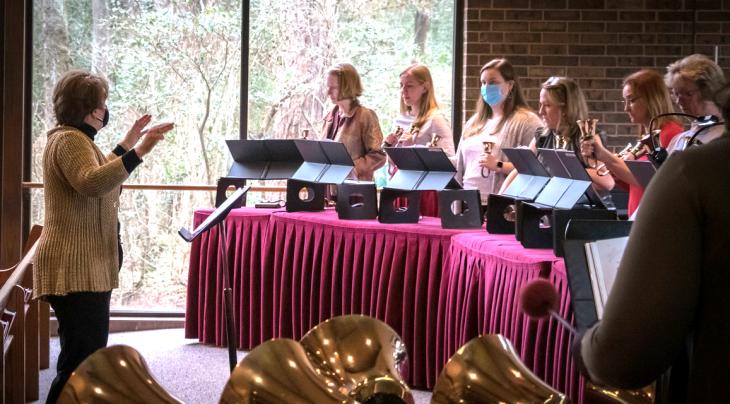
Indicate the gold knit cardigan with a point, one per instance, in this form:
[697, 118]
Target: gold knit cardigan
[77, 250]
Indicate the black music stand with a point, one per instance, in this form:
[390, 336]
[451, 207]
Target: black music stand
[218, 218]
[323, 162]
[642, 170]
[577, 233]
[419, 169]
[266, 159]
[561, 192]
[531, 178]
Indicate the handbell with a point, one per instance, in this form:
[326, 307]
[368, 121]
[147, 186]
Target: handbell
[587, 129]
[362, 356]
[488, 370]
[279, 371]
[434, 140]
[116, 374]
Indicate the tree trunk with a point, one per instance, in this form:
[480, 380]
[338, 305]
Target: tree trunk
[99, 37]
[421, 28]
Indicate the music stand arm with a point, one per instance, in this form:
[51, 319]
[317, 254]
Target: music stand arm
[218, 217]
[228, 312]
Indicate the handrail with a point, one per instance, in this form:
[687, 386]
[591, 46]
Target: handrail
[18, 274]
[169, 187]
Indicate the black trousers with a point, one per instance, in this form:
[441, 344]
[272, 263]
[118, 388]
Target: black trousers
[83, 328]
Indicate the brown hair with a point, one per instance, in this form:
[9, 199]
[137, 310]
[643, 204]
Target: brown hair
[650, 85]
[76, 95]
[514, 101]
[428, 103]
[348, 81]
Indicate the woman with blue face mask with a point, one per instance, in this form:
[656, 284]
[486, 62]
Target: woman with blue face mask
[502, 119]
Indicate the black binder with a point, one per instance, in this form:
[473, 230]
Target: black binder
[421, 169]
[324, 162]
[643, 171]
[266, 159]
[577, 234]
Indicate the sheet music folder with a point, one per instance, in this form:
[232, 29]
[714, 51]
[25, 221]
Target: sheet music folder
[218, 215]
[561, 192]
[421, 169]
[265, 159]
[643, 171]
[324, 162]
[531, 175]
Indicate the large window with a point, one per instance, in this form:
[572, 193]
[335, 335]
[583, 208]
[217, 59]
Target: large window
[181, 60]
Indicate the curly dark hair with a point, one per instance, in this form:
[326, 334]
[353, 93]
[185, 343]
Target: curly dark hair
[76, 95]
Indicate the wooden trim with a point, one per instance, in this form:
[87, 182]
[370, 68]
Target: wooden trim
[14, 80]
[169, 187]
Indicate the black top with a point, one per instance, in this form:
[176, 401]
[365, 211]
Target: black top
[130, 159]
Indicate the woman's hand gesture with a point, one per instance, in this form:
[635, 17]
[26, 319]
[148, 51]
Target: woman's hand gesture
[135, 132]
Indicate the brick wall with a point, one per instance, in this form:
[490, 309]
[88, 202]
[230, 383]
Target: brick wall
[597, 42]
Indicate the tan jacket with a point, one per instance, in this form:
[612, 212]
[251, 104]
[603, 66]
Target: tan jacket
[362, 137]
[77, 250]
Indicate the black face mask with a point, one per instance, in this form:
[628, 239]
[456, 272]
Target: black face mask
[105, 120]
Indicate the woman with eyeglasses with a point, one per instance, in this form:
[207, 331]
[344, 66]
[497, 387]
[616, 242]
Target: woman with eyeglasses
[668, 306]
[645, 96]
[562, 104]
[502, 119]
[421, 123]
[693, 81]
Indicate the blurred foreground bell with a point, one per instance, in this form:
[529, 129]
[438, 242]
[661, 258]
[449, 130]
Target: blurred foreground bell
[278, 371]
[116, 374]
[488, 370]
[609, 395]
[363, 356]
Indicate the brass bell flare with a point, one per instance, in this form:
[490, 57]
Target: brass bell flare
[279, 371]
[488, 370]
[117, 374]
[363, 356]
[609, 395]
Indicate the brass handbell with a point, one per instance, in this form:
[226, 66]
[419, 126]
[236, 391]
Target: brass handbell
[361, 355]
[587, 134]
[279, 371]
[489, 143]
[434, 140]
[488, 370]
[116, 374]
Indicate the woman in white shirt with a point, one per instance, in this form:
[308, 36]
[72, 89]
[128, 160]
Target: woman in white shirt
[503, 119]
[426, 124]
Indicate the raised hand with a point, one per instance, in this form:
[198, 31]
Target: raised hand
[135, 132]
[152, 136]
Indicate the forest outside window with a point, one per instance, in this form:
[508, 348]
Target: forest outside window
[181, 60]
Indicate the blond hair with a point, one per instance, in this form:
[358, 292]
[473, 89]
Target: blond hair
[348, 81]
[705, 73]
[567, 94]
[427, 104]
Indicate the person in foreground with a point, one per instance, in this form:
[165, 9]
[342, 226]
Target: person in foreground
[352, 124]
[669, 303]
[77, 262]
